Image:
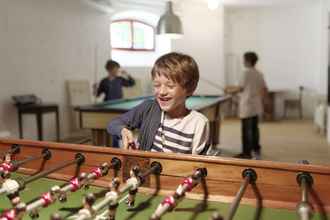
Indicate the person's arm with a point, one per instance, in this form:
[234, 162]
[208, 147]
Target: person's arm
[233, 89]
[102, 88]
[123, 125]
[264, 91]
[200, 142]
[237, 89]
[126, 79]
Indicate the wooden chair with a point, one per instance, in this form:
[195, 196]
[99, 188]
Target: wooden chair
[79, 92]
[290, 104]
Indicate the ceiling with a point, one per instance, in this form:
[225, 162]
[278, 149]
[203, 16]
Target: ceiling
[160, 4]
[225, 2]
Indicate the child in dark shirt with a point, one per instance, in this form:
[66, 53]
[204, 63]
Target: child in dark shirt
[112, 85]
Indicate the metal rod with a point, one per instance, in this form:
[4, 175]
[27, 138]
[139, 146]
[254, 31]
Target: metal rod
[155, 168]
[79, 159]
[304, 208]
[15, 149]
[46, 154]
[234, 205]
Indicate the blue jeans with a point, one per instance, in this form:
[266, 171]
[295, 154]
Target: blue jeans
[115, 141]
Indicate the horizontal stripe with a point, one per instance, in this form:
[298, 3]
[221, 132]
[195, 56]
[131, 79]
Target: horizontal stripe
[175, 140]
[178, 132]
[156, 148]
[176, 136]
[173, 149]
[171, 144]
[163, 149]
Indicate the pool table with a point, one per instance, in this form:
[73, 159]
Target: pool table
[276, 182]
[96, 117]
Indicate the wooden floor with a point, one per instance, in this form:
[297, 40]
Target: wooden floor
[286, 140]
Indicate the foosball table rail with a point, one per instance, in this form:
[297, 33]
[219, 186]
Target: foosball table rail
[276, 182]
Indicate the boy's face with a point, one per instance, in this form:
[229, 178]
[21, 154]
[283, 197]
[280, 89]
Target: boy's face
[114, 71]
[170, 95]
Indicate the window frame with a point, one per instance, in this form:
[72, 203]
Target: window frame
[131, 21]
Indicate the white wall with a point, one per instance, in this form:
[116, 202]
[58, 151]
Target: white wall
[289, 42]
[203, 40]
[43, 43]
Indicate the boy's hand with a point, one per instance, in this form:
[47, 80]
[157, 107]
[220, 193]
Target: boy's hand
[128, 139]
[122, 73]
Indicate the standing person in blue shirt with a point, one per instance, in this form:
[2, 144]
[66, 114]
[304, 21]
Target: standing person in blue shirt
[112, 86]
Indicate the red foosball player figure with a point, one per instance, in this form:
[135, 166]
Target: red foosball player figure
[134, 180]
[14, 199]
[170, 202]
[16, 213]
[114, 193]
[5, 167]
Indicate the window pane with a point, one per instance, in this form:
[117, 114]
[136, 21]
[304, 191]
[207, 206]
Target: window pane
[143, 36]
[121, 36]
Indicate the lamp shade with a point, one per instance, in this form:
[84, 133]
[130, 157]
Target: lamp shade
[169, 23]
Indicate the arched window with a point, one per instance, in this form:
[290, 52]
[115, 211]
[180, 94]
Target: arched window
[132, 35]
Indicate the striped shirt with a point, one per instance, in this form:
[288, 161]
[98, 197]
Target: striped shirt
[188, 135]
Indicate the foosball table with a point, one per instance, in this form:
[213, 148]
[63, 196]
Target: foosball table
[48, 180]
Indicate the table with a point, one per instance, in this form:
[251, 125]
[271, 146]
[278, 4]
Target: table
[38, 110]
[185, 210]
[276, 182]
[96, 117]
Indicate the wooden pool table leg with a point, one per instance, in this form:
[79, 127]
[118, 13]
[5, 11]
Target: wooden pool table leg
[97, 137]
[100, 137]
[214, 132]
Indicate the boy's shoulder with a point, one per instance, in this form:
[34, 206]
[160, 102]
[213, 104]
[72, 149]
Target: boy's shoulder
[149, 103]
[199, 117]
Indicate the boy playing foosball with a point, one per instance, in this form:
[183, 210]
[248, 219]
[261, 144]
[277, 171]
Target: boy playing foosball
[165, 124]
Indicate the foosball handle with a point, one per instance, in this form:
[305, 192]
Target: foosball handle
[116, 163]
[305, 176]
[251, 173]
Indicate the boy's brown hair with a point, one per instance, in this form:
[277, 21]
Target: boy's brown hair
[111, 64]
[180, 68]
[251, 57]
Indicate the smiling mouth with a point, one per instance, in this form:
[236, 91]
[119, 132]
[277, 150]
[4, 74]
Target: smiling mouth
[163, 99]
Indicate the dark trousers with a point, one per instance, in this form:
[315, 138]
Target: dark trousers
[250, 135]
[115, 141]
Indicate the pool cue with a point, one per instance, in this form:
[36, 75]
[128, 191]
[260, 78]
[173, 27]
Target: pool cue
[95, 71]
[12, 187]
[249, 177]
[187, 185]
[15, 149]
[136, 180]
[304, 208]
[7, 168]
